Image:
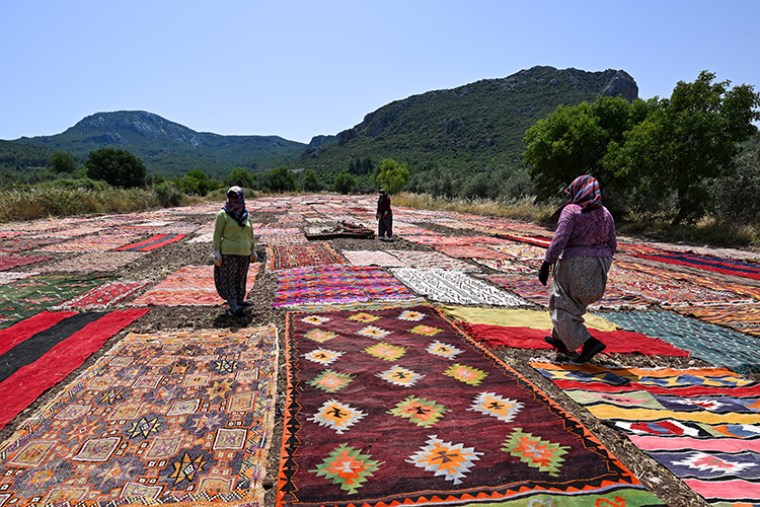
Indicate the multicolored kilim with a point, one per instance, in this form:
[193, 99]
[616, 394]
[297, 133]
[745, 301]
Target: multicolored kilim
[10, 276]
[470, 252]
[15, 261]
[280, 236]
[180, 417]
[298, 256]
[25, 297]
[743, 318]
[328, 285]
[541, 241]
[190, 286]
[22, 244]
[152, 243]
[702, 424]
[454, 287]
[108, 294]
[39, 352]
[733, 267]
[714, 344]
[395, 407]
[95, 262]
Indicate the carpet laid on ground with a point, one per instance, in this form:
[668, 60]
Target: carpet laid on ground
[454, 287]
[190, 286]
[15, 261]
[92, 243]
[180, 417]
[726, 266]
[108, 294]
[703, 424]
[39, 352]
[370, 258]
[299, 256]
[470, 252]
[338, 284]
[395, 406]
[23, 298]
[152, 243]
[715, 344]
[743, 318]
[617, 342]
[93, 262]
[430, 260]
[12, 276]
[520, 317]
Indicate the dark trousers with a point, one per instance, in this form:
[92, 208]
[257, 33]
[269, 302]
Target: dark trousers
[231, 278]
[385, 226]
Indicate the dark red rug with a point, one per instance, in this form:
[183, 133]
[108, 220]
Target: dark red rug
[396, 406]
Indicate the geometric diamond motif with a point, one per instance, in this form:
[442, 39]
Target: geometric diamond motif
[348, 467]
[386, 351]
[420, 411]
[535, 452]
[226, 365]
[400, 376]
[187, 468]
[467, 374]
[504, 409]
[363, 317]
[373, 332]
[426, 330]
[144, 427]
[411, 316]
[320, 335]
[444, 458]
[331, 381]
[315, 320]
[323, 356]
[443, 350]
[709, 463]
[337, 416]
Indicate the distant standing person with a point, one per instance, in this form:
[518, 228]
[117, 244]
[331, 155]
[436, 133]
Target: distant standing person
[581, 252]
[233, 251]
[384, 216]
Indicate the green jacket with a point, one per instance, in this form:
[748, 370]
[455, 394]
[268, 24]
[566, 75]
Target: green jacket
[230, 238]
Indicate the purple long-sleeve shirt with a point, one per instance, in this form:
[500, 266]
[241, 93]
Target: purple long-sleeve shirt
[581, 234]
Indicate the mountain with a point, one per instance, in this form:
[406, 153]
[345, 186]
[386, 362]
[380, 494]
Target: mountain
[167, 147]
[474, 126]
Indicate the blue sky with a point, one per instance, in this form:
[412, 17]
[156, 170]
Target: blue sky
[297, 69]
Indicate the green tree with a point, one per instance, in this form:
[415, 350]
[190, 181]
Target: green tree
[196, 182]
[241, 177]
[281, 180]
[344, 183]
[309, 181]
[63, 162]
[117, 167]
[392, 176]
[687, 142]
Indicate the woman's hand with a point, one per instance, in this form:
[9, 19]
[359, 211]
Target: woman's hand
[543, 273]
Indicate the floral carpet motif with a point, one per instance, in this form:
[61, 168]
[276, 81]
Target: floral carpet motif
[395, 406]
[703, 424]
[178, 417]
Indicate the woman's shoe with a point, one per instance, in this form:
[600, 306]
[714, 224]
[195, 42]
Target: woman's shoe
[591, 348]
[557, 344]
[235, 313]
[244, 303]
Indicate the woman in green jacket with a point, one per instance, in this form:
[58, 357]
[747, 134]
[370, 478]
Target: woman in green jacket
[233, 251]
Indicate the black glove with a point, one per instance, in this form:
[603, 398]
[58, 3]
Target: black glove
[543, 273]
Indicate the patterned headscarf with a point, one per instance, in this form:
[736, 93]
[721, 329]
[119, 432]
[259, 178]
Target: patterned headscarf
[584, 191]
[236, 209]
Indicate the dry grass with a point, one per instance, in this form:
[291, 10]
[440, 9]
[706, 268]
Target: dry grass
[523, 209]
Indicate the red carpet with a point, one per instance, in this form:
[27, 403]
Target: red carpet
[618, 342]
[12, 336]
[24, 385]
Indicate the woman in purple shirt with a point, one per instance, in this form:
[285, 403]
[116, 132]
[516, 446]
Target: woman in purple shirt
[581, 252]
